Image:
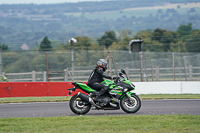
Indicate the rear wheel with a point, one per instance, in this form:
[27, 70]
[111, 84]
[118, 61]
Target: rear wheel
[130, 104]
[78, 106]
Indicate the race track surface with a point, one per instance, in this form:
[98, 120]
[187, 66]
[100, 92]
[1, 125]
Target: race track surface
[52, 109]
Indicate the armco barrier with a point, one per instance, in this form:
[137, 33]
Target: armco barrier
[35, 89]
[175, 87]
[28, 89]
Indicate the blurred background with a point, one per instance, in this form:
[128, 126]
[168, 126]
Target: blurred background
[35, 39]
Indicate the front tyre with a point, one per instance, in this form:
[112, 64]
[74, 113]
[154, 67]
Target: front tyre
[78, 106]
[130, 104]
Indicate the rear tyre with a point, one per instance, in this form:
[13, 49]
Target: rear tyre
[78, 106]
[130, 105]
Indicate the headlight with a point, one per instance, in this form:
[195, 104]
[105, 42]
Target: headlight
[125, 89]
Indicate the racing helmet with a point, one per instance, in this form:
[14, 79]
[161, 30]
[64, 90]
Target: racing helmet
[102, 63]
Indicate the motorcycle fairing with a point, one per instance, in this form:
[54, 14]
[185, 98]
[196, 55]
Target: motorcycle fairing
[83, 87]
[128, 93]
[109, 83]
[130, 85]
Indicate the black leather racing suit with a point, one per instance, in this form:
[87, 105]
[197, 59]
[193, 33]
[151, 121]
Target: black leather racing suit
[96, 77]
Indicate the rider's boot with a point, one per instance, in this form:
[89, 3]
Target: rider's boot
[101, 92]
[94, 93]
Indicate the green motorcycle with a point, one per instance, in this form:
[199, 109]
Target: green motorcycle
[119, 95]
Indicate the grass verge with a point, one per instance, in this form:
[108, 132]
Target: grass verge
[65, 98]
[170, 96]
[33, 99]
[109, 124]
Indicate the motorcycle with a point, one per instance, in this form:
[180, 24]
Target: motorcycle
[120, 94]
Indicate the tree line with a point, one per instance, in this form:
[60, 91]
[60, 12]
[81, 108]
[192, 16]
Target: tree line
[184, 39]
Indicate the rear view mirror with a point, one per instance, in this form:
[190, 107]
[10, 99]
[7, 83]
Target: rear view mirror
[123, 71]
[120, 74]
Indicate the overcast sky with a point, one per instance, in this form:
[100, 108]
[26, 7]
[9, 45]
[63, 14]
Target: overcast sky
[40, 1]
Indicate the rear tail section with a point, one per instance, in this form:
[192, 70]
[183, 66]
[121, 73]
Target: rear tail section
[82, 86]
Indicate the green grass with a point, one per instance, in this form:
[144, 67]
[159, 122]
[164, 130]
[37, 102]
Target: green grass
[103, 124]
[33, 99]
[65, 98]
[170, 96]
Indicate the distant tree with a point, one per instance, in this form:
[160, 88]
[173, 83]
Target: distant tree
[4, 47]
[185, 29]
[168, 38]
[157, 34]
[165, 37]
[83, 42]
[45, 45]
[193, 43]
[145, 35]
[107, 39]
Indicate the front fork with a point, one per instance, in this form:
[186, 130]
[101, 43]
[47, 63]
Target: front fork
[128, 94]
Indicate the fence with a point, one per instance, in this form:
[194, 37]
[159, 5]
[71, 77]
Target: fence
[57, 65]
[66, 76]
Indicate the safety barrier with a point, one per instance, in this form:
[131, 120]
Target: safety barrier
[175, 87]
[35, 89]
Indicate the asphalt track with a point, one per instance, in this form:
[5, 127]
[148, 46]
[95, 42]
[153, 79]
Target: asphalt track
[52, 109]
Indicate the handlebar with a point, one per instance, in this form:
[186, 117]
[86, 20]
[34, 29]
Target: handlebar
[117, 79]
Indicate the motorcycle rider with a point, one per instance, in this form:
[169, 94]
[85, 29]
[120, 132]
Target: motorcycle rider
[96, 77]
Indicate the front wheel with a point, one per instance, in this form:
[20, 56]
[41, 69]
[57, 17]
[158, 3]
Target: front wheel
[78, 106]
[130, 104]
